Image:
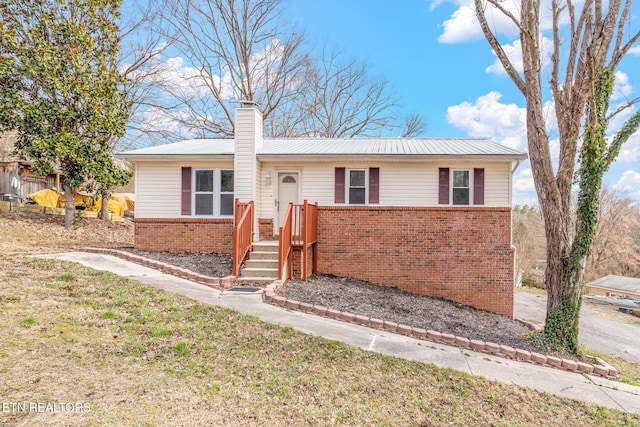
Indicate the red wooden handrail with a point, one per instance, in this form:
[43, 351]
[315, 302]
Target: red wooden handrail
[285, 245]
[310, 235]
[242, 233]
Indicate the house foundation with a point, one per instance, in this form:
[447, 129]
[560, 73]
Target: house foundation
[460, 254]
[204, 235]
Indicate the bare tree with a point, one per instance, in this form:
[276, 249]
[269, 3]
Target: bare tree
[414, 125]
[246, 50]
[342, 100]
[528, 238]
[614, 250]
[595, 44]
[139, 61]
[237, 50]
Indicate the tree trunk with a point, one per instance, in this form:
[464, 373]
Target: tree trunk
[105, 208]
[69, 205]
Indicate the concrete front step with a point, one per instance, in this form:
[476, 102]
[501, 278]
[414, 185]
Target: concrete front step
[255, 279]
[267, 256]
[266, 246]
[261, 263]
[266, 273]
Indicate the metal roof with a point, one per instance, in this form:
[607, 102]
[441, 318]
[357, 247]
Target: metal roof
[621, 283]
[338, 147]
[197, 147]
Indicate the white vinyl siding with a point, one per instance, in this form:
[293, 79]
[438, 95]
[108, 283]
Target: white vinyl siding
[497, 184]
[159, 187]
[158, 184]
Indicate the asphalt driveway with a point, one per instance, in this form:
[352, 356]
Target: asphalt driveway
[602, 327]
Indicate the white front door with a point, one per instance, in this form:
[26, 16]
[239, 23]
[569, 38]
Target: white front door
[287, 193]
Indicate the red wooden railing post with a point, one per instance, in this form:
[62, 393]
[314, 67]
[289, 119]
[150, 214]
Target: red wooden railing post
[242, 233]
[300, 227]
[285, 244]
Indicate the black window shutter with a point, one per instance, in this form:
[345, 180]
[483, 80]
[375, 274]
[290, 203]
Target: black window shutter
[478, 186]
[443, 186]
[339, 185]
[186, 191]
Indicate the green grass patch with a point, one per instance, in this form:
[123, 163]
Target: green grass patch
[65, 277]
[27, 322]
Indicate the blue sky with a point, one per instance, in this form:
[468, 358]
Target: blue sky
[436, 59]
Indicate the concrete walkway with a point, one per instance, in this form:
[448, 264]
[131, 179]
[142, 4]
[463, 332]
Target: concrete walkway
[560, 383]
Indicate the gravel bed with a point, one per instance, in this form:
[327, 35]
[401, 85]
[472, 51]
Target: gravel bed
[375, 301]
[209, 264]
[394, 305]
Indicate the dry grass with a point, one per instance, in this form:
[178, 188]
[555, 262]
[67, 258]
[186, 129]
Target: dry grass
[26, 233]
[141, 356]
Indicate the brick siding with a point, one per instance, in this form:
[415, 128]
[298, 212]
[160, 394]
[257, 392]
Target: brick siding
[184, 234]
[298, 262]
[265, 228]
[460, 254]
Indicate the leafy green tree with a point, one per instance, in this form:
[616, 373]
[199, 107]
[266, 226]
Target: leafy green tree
[61, 90]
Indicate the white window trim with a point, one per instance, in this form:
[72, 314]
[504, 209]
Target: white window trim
[451, 173]
[216, 193]
[347, 186]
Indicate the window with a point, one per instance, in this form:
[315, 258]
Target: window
[226, 192]
[357, 187]
[460, 187]
[203, 193]
[213, 192]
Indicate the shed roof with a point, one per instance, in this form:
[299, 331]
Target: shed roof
[304, 147]
[621, 283]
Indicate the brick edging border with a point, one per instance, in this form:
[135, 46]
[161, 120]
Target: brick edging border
[212, 282]
[598, 366]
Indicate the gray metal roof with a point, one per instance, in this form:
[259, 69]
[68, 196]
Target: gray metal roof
[621, 283]
[338, 147]
[197, 147]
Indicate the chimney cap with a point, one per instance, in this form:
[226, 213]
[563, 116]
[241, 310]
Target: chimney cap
[245, 103]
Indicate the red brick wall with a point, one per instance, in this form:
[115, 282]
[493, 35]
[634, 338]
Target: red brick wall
[460, 254]
[184, 234]
[298, 263]
[265, 228]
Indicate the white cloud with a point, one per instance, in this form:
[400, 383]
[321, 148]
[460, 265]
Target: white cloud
[463, 25]
[514, 52]
[622, 88]
[523, 181]
[489, 118]
[630, 151]
[524, 191]
[635, 50]
[629, 184]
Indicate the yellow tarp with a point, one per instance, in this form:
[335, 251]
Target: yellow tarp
[79, 200]
[51, 199]
[114, 207]
[47, 198]
[126, 199]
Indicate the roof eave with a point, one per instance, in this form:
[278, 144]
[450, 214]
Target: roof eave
[395, 157]
[174, 157]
